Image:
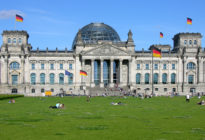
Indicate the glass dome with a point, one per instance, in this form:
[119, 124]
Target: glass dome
[93, 32]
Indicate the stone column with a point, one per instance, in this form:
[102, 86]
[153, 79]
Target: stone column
[121, 80]
[92, 73]
[184, 74]
[6, 70]
[83, 68]
[23, 71]
[111, 73]
[200, 71]
[160, 67]
[130, 71]
[101, 73]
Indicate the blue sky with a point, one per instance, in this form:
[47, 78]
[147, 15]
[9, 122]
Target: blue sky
[54, 23]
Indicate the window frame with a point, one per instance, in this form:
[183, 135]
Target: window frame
[156, 67]
[70, 66]
[138, 66]
[164, 66]
[138, 78]
[147, 66]
[61, 66]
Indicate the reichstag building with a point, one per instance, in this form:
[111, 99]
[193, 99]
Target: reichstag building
[110, 64]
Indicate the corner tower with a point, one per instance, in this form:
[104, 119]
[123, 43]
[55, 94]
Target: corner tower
[15, 42]
[187, 42]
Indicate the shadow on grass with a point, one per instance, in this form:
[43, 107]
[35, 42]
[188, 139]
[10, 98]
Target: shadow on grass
[60, 134]
[88, 117]
[97, 127]
[16, 121]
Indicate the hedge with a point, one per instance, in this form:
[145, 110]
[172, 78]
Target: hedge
[9, 96]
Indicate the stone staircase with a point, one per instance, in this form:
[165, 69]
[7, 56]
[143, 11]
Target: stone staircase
[98, 91]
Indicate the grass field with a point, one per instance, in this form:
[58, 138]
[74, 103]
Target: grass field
[159, 118]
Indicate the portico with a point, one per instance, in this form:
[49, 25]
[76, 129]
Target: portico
[106, 72]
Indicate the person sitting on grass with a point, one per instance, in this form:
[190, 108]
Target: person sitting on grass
[12, 101]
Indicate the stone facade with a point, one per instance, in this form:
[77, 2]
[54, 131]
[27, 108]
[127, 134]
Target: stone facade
[29, 72]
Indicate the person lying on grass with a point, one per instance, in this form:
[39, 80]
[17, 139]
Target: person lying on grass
[57, 106]
[202, 102]
[119, 103]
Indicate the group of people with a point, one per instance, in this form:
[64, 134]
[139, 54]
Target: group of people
[12, 101]
[202, 102]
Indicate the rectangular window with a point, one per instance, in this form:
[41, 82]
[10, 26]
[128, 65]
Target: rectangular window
[70, 66]
[14, 79]
[138, 66]
[146, 66]
[173, 66]
[191, 79]
[156, 66]
[42, 66]
[165, 89]
[61, 66]
[51, 66]
[33, 66]
[164, 66]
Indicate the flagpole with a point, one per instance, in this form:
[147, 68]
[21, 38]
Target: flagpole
[152, 74]
[15, 23]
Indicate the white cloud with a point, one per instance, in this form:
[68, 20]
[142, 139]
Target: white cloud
[5, 14]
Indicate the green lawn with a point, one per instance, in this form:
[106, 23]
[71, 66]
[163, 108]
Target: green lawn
[159, 118]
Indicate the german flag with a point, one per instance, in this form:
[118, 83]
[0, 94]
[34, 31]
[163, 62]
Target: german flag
[156, 52]
[84, 73]
[189, 21]
[19, 18]
[161, 35]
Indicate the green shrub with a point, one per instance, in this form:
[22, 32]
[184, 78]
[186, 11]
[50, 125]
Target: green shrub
[9, 96]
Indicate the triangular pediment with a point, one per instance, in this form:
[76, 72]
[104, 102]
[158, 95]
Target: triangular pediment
[106, 50]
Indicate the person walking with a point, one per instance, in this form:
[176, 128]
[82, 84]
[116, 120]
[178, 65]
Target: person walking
[187, 98]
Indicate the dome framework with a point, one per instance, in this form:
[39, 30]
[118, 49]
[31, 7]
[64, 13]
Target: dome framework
[94, 32]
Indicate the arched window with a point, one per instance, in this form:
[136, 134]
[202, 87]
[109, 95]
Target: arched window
[9, 40]
[42, 78]
[147, 78]
[14, 66]
[191, 66]
[191, 79]
[52, 78]
[185, 42]
[61, 78]
[138, 77]
[70, 79]
[195, 42]
[164, 78]
[33, 78]
[156, 78]
[190, 42]
[173, 78]
[14, 40]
